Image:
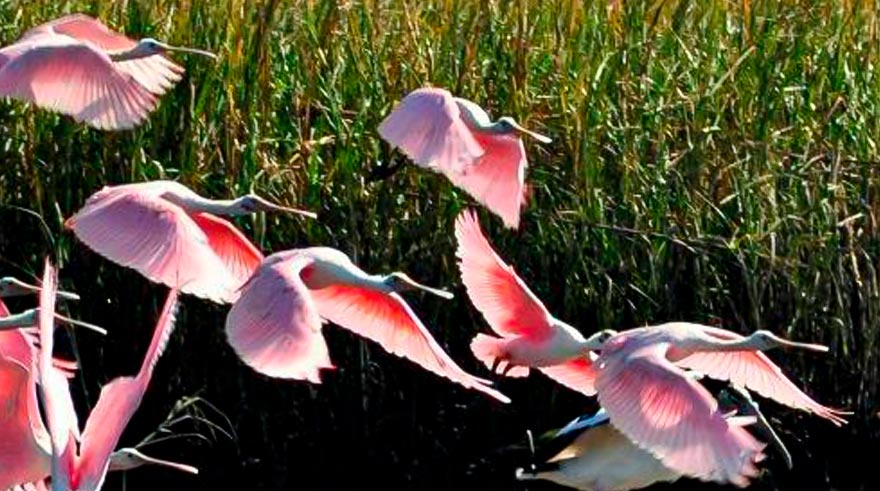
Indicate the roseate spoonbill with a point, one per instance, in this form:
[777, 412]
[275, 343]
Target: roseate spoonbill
[275, 326]
[640, 380]
[77, 66]
[83, 467]
[171, 235]
[590, 454]
[530, 335]
[455, 137]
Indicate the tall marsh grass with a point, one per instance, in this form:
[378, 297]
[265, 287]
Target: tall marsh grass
[713, 161]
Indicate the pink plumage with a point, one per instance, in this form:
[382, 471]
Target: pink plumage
[275, 324]
[81, 463]
[427, 126]
[664, 411]
[66, 66]
[157, 229]
[530, 335]
[278, 334]
[23, 456]
[755, 371]
[455, 137]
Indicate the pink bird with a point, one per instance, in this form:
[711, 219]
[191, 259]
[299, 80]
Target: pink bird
[77, 66]
[641, 382]
[590, 454]
[275, 326]
[171, 235]
[455, 137]
[530, 335]
[81, 462]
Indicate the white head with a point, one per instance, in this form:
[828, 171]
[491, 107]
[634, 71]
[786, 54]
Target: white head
[150, 46]
[131, 458]
[506, 125]
[399, 282]
[252, 203]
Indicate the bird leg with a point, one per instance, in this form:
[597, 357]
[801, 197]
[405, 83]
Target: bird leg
[748, 407]
[495, 364]
[507, 368]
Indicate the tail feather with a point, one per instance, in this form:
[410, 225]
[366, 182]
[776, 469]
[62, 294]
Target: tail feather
[488, 349]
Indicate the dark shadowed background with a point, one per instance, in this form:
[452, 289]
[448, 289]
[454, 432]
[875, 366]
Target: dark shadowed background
[712, 161]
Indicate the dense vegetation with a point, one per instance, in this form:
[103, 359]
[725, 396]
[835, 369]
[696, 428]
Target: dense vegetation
[713, 161]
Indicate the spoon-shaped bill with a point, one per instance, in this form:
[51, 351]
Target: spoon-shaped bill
[414, 285]
[86, 325]
[537, 136]
[268, 206]
[195, 51]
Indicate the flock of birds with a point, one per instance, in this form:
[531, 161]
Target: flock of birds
[657, 422]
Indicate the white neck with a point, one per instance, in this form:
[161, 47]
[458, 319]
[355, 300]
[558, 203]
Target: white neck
[192, 202]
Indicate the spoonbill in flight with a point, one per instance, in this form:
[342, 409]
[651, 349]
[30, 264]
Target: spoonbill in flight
[530, 335]
[641, 382]
[275, 325]
[77, 66]
[455, 137]
[172, 236]
[590, 454]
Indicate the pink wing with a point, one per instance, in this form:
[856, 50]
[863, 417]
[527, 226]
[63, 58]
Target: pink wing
[155, 73]
[427, 127]
[60, 414]
[497, 179]
[22, 458]
[578, 374]
[4, 311]
[77, 80]
[388, 320]
[755, 371]
[508, 305]
[156, 238]
[274, 325]
[241, 257]
[117, 404]
[664, 411]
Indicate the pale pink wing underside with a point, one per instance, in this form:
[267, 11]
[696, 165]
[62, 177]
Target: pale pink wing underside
[578, 374]
[497, 179]
[118, 402]
[672, 416]
[21, 457]
[426, 125]
[755, 371]
[387, 319]
[60, 414]
[156, 238]
[241, 256]
[155, 73]
[77, 80]
[510, 308]
[274, 325]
